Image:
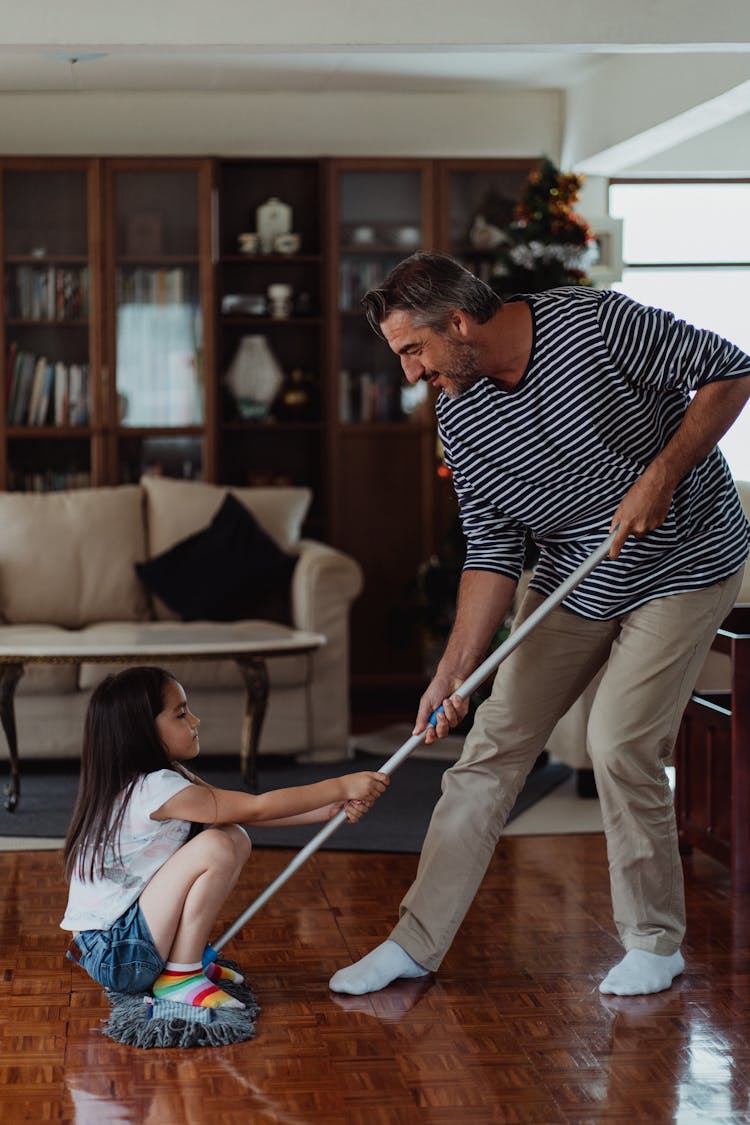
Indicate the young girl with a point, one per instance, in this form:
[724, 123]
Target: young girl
[143, 896]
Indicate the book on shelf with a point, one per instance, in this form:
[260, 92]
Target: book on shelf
[49, 293]
[78, 401]
[48, 481]
[141, 286]
[60, 409]
[357, 275]
[45, 396]
[38, 387]
[367, 397]
[23, 381]
[47, 393]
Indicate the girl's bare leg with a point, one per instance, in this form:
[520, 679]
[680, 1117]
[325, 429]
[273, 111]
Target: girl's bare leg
[184, 897]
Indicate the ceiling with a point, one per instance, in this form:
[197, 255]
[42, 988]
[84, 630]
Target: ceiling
[258, 70]
[611, 84]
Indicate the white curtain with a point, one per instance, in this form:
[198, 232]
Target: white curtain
[158, 370]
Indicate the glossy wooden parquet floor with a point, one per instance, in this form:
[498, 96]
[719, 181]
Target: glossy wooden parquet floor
[511, 1030]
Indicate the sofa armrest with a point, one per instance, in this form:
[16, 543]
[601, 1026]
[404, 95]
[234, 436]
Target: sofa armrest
[324, 585]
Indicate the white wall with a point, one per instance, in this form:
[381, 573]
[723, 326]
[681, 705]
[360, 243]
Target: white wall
[359, 124]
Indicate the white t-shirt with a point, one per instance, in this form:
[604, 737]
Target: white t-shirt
[145, 845]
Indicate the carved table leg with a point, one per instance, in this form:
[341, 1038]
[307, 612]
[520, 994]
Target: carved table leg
[255, 674]
[10, 674]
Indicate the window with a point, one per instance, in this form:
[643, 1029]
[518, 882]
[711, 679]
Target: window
[686, 248]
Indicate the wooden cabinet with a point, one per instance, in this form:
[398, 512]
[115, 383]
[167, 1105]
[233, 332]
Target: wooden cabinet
[51, 430]
[157, 379]
[134, 291]
[274, 292]
[712, 759]
[108, 321]
[382, 438]
[391, 502]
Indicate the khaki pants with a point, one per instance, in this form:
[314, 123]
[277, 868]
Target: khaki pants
[653, 656]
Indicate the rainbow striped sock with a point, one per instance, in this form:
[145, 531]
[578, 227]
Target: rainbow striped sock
[216, 972]
[188, 984]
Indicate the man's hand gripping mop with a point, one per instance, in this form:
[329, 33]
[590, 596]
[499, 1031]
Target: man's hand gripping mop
[464, 691]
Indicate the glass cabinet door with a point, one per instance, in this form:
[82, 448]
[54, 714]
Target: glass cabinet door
[479, 200]
[382, 218]
[382, 458]
[271, 338]
[48, 333]
[158, 320]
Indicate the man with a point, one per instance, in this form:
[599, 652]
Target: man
[570, 413]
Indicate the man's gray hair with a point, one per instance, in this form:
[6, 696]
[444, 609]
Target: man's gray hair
[429, 286]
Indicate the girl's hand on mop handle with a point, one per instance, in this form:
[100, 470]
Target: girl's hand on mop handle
[362, 791]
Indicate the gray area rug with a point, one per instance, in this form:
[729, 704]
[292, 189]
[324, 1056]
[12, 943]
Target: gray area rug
[397, 823]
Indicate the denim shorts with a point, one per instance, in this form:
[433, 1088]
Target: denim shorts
[123, 958]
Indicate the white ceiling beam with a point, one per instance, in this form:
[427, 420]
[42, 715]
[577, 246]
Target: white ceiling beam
[585, 24]
[723, 152]
[630, 108]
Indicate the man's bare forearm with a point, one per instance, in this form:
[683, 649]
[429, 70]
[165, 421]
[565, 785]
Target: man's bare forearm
[484, 601]
[713, 410]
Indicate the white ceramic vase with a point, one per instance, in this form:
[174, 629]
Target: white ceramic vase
[272, 218]
[254, 377]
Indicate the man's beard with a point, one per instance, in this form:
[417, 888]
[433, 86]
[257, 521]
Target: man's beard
[462, 369]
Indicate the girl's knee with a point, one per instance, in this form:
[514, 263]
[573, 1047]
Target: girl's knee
[224, 847]
[242, 843]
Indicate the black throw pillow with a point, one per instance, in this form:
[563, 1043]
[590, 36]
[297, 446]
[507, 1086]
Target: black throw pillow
[230, 571]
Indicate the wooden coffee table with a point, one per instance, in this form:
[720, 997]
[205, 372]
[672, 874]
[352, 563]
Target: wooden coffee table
[251, 645]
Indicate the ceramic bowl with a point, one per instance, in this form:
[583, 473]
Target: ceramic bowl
[408, 238]
[363, 236]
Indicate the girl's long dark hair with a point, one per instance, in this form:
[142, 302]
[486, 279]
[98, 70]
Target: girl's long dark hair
[120, 744]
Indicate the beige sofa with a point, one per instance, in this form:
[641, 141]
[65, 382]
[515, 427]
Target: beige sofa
[67, 562]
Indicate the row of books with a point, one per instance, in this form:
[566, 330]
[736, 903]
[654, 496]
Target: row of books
[357, 275]
[368, 397]
[46, 393]
[48, 293]
[155, 287]
[49, 481]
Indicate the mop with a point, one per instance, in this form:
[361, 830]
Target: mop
[164, 1023]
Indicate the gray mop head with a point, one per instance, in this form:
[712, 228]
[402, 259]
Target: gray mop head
[137, 1020]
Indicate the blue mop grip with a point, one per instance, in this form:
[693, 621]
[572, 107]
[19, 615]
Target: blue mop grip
[434, 716]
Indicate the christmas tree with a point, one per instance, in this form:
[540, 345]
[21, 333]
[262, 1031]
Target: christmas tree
[547, 244]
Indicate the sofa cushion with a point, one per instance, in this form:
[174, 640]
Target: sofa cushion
[177, 508]
[67, 558]
[230, 571]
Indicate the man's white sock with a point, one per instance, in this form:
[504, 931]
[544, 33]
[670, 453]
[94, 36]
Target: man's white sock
[386, 963]
[641, 973]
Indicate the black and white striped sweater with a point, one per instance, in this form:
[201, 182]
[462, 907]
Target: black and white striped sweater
[606, 386]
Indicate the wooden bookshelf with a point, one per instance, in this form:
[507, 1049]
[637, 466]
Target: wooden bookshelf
[157, 242]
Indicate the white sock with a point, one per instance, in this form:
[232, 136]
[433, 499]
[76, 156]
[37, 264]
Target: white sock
[384, 964]
[641, 973]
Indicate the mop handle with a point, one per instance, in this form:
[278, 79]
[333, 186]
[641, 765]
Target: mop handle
[464, 691]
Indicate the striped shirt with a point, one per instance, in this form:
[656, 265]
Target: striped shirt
[606, 386]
